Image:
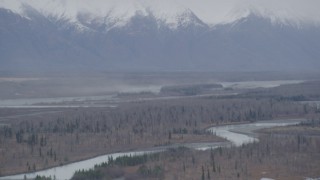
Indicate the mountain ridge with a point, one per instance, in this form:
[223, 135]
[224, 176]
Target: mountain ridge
[123, 10]
[252, 43]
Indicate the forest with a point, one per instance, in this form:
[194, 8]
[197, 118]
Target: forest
[31, 143]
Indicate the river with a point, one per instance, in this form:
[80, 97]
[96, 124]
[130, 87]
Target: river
[112, 100]
[58, 102]
[244, 133]
[236, 134]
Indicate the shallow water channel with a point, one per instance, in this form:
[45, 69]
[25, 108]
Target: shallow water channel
[236, 134]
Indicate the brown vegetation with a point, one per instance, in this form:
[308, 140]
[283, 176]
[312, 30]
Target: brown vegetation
[293, 156]
[29, 143]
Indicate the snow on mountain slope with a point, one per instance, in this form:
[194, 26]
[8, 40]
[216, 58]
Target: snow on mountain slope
[115, 12]
[153, 35]
[170, 12]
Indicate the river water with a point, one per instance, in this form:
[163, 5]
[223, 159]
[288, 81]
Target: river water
[244, 133]
[236, 134]
[58, 102]
[112, 100]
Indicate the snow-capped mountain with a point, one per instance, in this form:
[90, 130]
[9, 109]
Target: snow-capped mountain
[111, 13]
[152, 35]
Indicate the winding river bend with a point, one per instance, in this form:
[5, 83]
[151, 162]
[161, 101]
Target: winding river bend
[236, 135]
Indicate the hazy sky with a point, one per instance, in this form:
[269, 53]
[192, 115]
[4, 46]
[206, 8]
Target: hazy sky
[210, 11]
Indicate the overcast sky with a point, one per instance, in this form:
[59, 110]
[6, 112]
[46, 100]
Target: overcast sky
[210, 11]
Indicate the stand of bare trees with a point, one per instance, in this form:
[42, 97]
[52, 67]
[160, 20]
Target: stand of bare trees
[29, 144]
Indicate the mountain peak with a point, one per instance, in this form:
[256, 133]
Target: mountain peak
[111, 14]
[210, 12]
[280, 17]
[140, 36]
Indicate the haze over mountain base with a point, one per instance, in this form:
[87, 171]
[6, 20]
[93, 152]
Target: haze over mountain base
[144, 39]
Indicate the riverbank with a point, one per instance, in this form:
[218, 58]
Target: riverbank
[84, 165]
[278, 155]
[179, 139]
[39, 141]
[175, 140]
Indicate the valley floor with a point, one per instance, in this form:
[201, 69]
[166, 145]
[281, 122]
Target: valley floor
[282, 153]
[34, 139]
